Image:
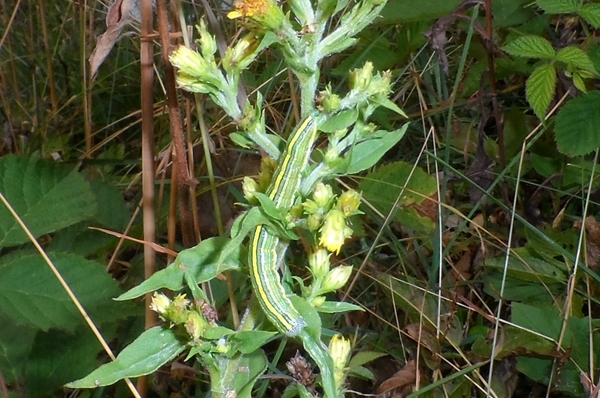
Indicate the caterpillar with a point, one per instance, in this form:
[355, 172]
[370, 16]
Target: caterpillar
[266, 251]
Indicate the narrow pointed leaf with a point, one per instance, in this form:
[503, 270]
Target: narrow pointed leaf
[145, 355]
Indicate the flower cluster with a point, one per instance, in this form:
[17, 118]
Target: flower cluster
[330, 216]
[182, 312]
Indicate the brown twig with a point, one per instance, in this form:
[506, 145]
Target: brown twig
[184, 180]
[147, 78]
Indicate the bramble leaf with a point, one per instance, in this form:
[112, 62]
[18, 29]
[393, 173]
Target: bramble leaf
[576, 58]
[540, 89]
[559, 6]
[591, 13]
[577, 126]
[530, 46]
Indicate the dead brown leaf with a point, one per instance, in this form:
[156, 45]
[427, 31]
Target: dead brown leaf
[592, 241]
[118, 15]
[402, 379]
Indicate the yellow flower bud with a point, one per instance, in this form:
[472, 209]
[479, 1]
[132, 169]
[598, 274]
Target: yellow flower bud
[242, 54]
[208, 44]
[340, 350]
[195, 325]
[337, 278]
[322, 194]
[318, 301]
[334, 231]
[319, 263]
[360, 78]
[160, 303]
[314, 221]
[249, 186]
[349, 202]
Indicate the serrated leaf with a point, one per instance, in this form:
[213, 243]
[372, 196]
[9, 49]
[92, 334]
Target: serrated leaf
[366, 154]
[112, 210]
[591, 13]
[577, 58]
[201, 261]
[30, 293]
[147, 353]
[577, 126]
[58, 357]
[540, 89]
[559, 6]
[48, 196]
[530, 46]
[578, 82]
[16, 342]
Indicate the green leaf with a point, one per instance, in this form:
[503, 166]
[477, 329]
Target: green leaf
[333, 307]
[201, 261]
[529, 269]
[249, 341]
[540, 89]
[30, 293]
[339, 121]
[48, 196]
[591, 13]
[531, 47]
[576, 58]
[241, 140]
[577, 126]
[578, 82]
[396, 12]
[363, 357]
[559, 6]
[389, 104]
[152, 349]
[112, 210]
[58, 357]
[16, 342]
[238, 374]
[367, 153]
[382, 187]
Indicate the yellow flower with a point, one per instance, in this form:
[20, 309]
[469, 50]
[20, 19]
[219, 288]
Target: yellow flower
[340, 350]
[348, 202]
[160, 303]
[265, 13]
[334, 231]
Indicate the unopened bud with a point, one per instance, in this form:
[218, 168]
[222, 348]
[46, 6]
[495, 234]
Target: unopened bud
[337, 278]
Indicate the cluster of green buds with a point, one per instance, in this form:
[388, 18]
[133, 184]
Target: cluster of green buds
[182, 312]
[366, 88]
[250, 185]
